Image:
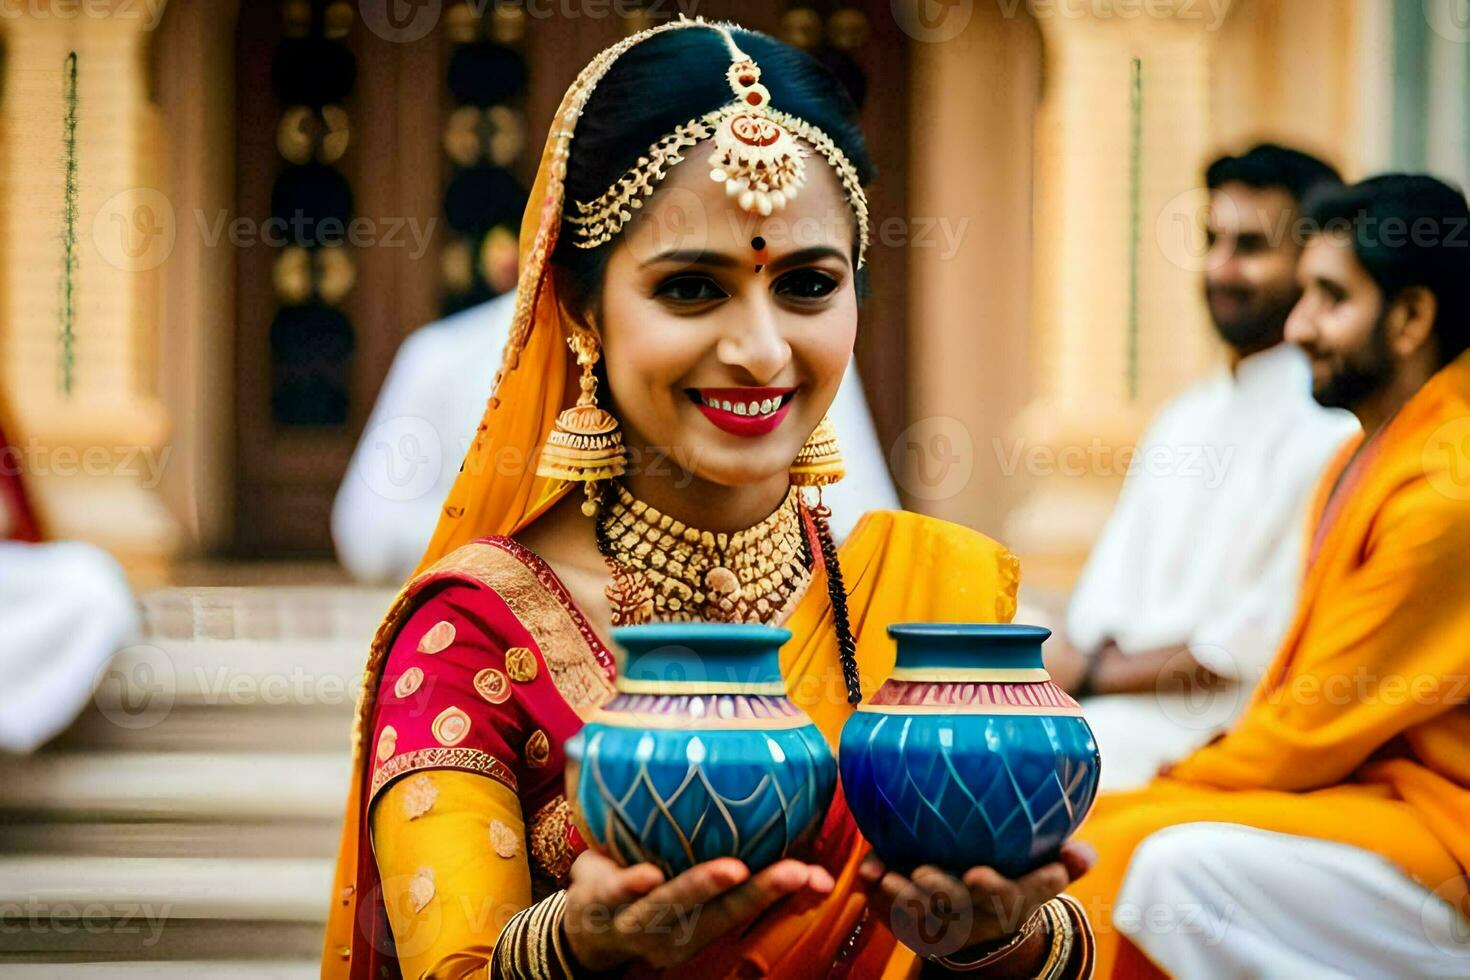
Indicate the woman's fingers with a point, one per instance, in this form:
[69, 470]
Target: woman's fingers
[747, 901]
[1044, 884]
[945, 892]
[985, 881]
[688, 890]
[613, 884]
[677, 922]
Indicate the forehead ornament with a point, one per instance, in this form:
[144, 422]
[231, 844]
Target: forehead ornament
[757, 154]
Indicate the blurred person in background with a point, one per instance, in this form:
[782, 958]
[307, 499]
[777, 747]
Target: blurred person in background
[424, 420]
[1327, 832]
[1195, 575]
[66, 607]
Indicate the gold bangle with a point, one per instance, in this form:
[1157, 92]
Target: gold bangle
[995, 955]
[529, 942]
[1063, 936]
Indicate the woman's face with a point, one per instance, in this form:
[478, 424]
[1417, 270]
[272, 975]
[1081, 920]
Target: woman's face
[725, 334]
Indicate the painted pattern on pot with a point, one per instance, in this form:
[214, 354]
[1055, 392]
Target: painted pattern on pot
[700, 754]
[968, 754]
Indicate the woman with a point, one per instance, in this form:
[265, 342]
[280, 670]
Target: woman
[694, 239]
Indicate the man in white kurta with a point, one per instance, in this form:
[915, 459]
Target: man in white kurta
[1203, 552]
[425, 417]
[1195, 573]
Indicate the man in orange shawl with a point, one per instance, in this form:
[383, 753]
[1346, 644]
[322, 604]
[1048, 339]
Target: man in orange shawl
[1328, 832]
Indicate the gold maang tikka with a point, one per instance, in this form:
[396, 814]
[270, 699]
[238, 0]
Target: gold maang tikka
[585, 445]
[756, 154]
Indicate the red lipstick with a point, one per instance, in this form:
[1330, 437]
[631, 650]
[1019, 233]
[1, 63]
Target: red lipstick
[748, 412]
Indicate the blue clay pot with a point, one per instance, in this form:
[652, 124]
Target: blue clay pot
[700, 754]
[968, 754]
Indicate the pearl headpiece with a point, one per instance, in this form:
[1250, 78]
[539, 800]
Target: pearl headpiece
[756, 155]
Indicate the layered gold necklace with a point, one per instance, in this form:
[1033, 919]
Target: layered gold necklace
[665, 570]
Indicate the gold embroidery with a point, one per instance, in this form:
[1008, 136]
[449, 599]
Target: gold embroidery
[468, 760]
[493, 685]
[574, 670]
[419, 795]
[440, 635]
[408, 682]
[505, 841]
[451, 727]
[550, 847]
[387, 742]
[421, 888]
[566, 647]
[520, 662]
[538, 749]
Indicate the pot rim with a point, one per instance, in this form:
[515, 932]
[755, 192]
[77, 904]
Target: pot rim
[968, 631]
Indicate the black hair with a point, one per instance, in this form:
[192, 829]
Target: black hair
[667, 80]
[1407, 230]
[1271, 165]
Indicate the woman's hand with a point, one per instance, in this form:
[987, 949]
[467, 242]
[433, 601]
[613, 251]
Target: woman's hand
[616, 914]
[936, 914]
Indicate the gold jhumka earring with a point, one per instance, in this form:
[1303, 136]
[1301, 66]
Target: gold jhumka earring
[819, 462]
[586, 445]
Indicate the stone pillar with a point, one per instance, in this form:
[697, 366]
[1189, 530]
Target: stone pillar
[94, 436]
[972, 101]
[1095, 383]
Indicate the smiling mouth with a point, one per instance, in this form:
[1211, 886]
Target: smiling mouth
[743, 411]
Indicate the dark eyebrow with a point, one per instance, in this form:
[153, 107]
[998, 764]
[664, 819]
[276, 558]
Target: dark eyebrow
[694, 256]
[808, 255]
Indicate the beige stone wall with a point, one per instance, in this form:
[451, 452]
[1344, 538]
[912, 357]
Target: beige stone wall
[95, 455]
[1214, 77]
[972, 102]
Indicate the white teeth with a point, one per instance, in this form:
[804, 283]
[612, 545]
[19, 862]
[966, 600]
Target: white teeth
[763, 407]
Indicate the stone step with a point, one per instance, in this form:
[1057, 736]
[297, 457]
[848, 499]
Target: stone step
[307, 969]
[154, 890]
[181, 786]
[172, 838]
[146, 680]
[222, 729]
[42, 940]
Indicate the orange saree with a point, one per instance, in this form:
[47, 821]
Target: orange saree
[1359, 733]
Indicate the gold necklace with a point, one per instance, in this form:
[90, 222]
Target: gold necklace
[665, 570]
